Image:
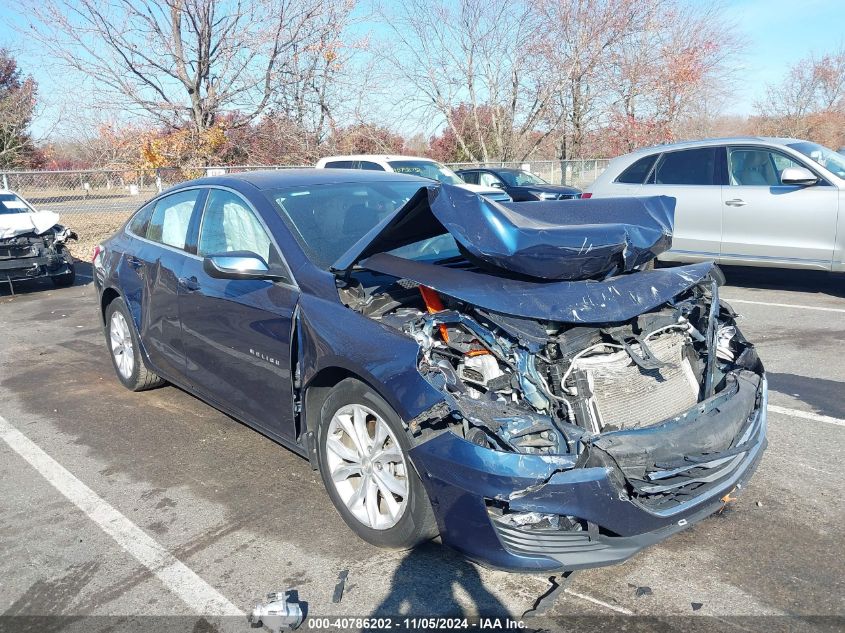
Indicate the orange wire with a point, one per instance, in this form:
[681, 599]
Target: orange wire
[434, 304]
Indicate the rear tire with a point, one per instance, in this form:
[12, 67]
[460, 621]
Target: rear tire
[125, 349]
[370, 479]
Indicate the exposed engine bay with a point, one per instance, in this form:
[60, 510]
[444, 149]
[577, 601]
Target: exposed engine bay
[640, 371]
[551, 384]
[546, 388]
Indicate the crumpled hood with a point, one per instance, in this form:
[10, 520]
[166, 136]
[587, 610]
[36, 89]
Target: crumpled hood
[614, 299]
[551, 240]
[12, 224]
[557, 239]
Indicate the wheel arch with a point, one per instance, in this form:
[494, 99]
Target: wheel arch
[109, 295]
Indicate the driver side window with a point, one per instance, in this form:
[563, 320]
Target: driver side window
[230, 225]
[488, 180]
[757, 166]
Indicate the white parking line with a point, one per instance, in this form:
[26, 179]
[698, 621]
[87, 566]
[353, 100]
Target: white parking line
[601, 603]
[807, 415]
[783, 305]
[175, 575]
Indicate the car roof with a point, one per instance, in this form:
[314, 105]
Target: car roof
[277, 179]
[513, 170]
[728, 140]
[375, 157]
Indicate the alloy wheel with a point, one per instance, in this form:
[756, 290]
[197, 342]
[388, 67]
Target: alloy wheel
[121, 345]
[367, 466]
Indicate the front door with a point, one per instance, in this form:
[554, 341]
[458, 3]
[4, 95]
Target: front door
[237, 333]
[765, 221]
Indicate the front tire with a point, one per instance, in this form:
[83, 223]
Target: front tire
[363, 460]
[68, 278]
[125, 349]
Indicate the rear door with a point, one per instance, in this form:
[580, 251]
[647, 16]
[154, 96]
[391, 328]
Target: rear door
[766, 222]
[150, 272]
[237, 333]
[694, 178]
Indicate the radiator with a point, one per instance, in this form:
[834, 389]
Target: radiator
[626, 396]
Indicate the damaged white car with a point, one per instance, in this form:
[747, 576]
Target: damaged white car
[32, 243]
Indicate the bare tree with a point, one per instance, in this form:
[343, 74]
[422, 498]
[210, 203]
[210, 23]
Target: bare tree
[315, 80]
[579, 40]
[184, 61]
[477, 54]
[676, 65]
[809, 102]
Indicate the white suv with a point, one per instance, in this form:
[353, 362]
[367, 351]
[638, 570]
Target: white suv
[748, 201]
[424, 167]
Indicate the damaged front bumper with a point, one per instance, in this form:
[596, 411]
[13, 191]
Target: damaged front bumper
[31, 256]
[603, 514]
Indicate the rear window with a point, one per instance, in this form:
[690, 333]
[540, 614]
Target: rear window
[172, 217]
[138, 224]
[636, 173]
[686, 167]
[339, 164]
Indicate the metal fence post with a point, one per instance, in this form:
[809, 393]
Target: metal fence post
[5, 182]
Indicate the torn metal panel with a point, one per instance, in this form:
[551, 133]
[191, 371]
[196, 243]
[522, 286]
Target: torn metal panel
[557, 239]
[552, 240]
[611, 300]
[30, 255]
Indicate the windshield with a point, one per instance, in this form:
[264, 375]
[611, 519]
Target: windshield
[521, 178]
[819, 154]
[327, 220]
[432, 250]
[426, 169]
[10, 203]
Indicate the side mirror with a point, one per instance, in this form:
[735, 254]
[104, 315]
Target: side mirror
[798, 176]
[497, 185]
[237, 265]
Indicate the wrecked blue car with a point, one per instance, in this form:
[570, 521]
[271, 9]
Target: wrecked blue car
[516, 378]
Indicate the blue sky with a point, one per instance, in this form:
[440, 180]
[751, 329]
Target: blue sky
[777, 34]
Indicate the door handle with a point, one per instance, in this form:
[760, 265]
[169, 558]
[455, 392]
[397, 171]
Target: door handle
[736, 202]
[189, 283]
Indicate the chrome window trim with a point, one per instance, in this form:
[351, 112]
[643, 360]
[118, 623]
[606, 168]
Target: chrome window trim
[776, 149]
[293, 284]
[154, 202]
[254, 211]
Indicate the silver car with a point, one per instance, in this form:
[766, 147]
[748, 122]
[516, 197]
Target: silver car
[747, 201]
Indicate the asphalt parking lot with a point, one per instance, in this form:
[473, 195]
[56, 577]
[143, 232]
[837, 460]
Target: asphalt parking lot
[225, 515]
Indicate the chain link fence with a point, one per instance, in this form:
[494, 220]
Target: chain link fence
[95, 203]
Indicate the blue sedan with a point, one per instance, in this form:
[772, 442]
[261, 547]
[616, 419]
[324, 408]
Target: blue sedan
[511, 377]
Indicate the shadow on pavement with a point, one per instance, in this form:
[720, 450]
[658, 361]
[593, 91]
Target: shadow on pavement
[786, 279]
[823, 395]
[430, 580]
